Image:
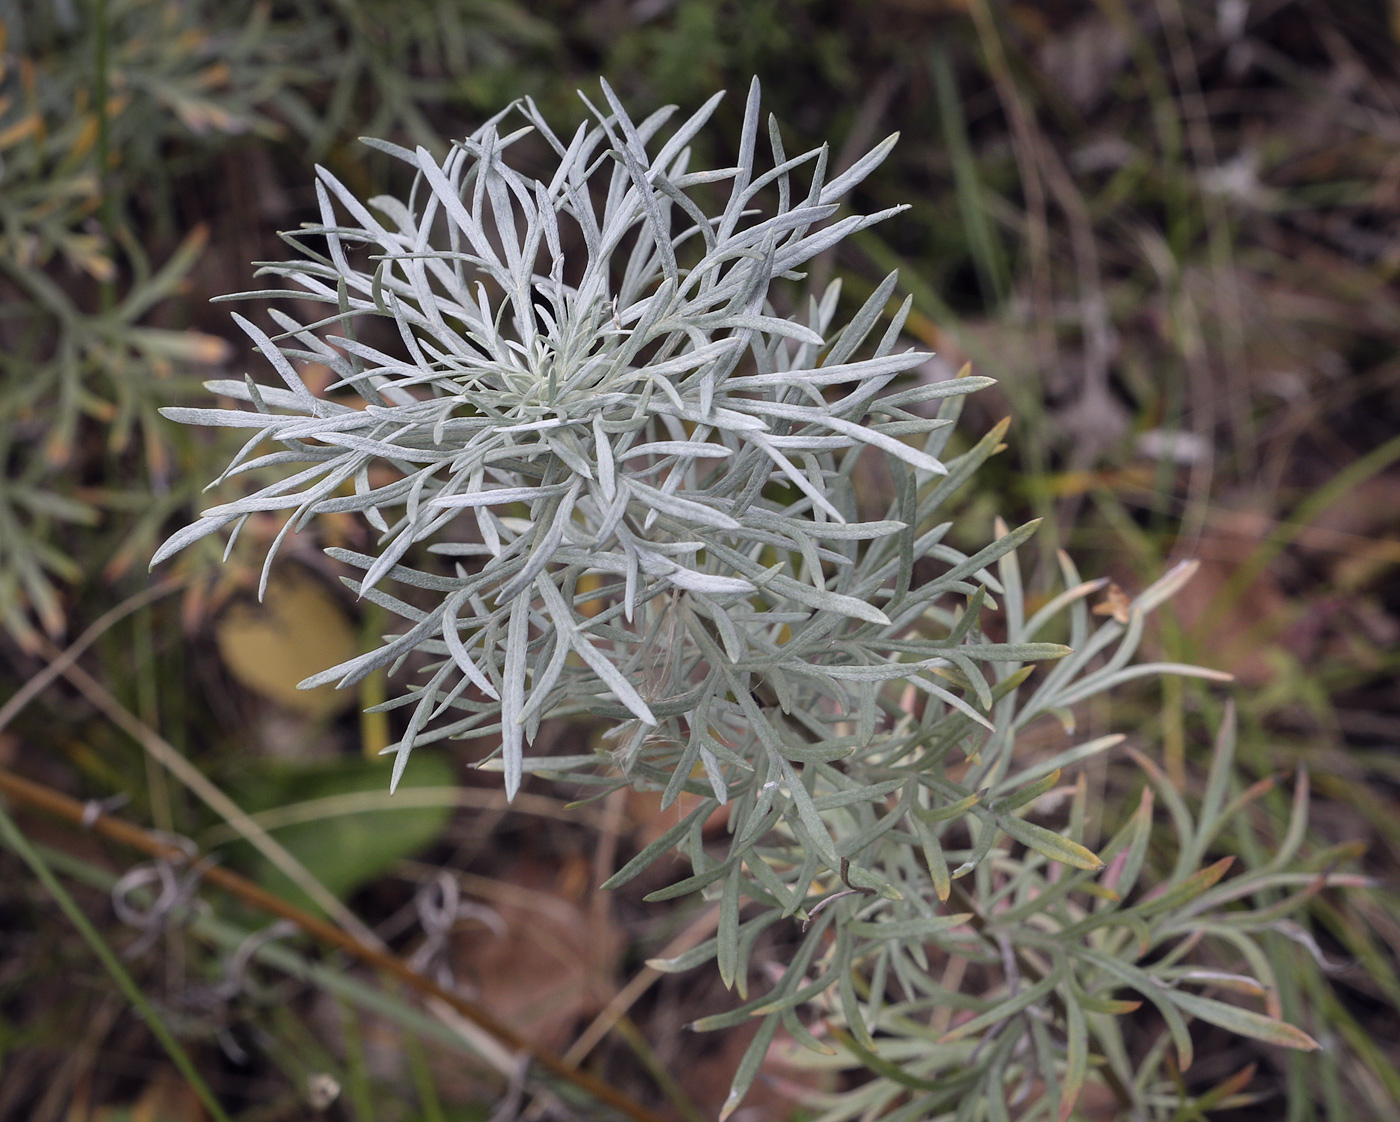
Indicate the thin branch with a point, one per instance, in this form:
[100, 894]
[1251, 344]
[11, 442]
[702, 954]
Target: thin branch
[129, 834]
[215, 799]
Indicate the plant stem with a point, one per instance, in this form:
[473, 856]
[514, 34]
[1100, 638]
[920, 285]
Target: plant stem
[128, 833]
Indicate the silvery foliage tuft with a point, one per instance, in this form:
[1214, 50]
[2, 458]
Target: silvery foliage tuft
[642, 481]
[630, 422]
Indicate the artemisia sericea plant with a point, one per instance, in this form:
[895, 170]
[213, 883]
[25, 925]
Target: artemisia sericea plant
[611, 477]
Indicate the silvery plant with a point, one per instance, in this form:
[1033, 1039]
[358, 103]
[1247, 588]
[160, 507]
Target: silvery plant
[612, 476]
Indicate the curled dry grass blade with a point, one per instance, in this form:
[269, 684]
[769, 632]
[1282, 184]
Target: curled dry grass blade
[371, 954]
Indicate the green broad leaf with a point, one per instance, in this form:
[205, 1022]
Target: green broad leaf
[1297, 822]
[1015, 652]
[1062, 760]
[1095, 684]
[952, 810]
[1114, 1007]
[874, 793]
[749, 1065]
[1166, 587]
[987, 555]
[971, 614]
[346, 851]
[1076, 1056]
[1025, 795]
[788, 994]
[1218, 783]
[299, 628]
[728, 935]
[920, 929]
[800, 1033]
[1011, 681]
[1049, 844]
[882, 671]
[975, 681]
[937, 862]
[843, 956]
[660, 845]
[892, 1071]
[1146, 985]
[749, 932]
[789, 899]
[951, 699]
[1184, 892]
[820, 836]
[691, 884]
[1004, 1009]
[1243, 1021]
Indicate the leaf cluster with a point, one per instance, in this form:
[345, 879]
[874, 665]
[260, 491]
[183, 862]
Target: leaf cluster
[108, 114]
[582, 392]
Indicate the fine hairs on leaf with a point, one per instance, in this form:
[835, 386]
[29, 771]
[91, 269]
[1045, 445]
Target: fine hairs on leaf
[612, 461]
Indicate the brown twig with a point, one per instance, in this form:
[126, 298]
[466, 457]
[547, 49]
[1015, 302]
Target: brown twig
[128, 833]
[174, 761]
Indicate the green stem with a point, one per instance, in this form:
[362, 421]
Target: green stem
[15, 839]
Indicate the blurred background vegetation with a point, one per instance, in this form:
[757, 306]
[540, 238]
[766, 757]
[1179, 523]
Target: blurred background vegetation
[1169, 228]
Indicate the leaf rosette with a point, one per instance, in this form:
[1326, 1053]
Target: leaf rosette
[647, 420]
[582, 395]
